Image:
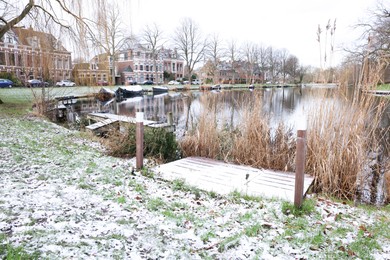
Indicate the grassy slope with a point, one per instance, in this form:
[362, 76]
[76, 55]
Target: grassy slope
[259, 219]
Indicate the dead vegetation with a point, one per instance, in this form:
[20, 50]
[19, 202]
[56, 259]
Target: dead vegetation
[340, 135]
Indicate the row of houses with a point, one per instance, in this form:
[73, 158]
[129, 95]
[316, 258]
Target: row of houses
[29, 54]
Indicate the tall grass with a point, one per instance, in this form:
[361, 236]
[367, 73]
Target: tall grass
[248, 140]
[340, 135]
[339, 139]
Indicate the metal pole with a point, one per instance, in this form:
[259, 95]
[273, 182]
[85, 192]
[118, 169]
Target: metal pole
[139, 140]
[300, 167]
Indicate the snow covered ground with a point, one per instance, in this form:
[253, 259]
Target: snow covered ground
[61, 197]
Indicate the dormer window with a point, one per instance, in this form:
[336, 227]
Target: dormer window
[33, 41]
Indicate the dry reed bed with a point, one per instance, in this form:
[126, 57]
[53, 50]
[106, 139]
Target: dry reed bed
[339, 137]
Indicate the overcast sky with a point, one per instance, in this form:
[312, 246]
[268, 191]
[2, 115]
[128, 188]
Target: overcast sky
[289, 24]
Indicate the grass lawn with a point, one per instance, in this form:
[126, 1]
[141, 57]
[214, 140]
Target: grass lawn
[383, 87]
[19, 101]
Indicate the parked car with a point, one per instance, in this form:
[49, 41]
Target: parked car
[132, 82]
[173, 82]
[65, 83]
[102, 83]
[147, 82]
[6, 83]
[196, 82]
[36, 83]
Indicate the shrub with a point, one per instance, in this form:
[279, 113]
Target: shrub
[158, 143]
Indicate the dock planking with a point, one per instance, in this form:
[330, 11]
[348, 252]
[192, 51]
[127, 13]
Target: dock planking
[106, 118]
[224, 178]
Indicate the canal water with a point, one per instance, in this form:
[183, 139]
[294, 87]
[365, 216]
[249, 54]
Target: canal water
[288, 105]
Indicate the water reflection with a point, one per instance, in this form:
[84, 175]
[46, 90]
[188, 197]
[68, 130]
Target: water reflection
[279, 104]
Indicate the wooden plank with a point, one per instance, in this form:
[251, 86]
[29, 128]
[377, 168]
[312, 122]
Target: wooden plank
[126, 119]
[223, 178]
[100, 124]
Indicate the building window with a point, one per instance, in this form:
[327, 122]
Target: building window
[2, 58]
[12, 59]
[147, 67]
[20, 60]
[141, 67]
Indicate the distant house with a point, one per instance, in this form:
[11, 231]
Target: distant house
[226, 73]
[137, 65]
[31, 54]
[90, 73]
[131, 65]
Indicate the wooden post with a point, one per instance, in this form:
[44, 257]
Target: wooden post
[139, 140]
[300, 167]
[170, 118]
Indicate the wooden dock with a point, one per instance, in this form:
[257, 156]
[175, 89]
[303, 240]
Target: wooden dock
[223, 178]
[102, 126]
[120, 118]
[104, 120]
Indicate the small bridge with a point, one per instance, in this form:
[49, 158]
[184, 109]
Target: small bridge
[223, 178]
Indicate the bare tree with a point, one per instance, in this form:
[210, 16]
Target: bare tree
[283, 56]
[292, 67]
[272, 62]
[374, 55]
[110, 35]
[214, 52]
[12, 12]
[250, 54]
[233, 54]
[190, 43]
[153, 37]
[262, 60]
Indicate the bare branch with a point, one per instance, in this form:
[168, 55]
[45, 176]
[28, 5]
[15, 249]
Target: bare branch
[8, 25]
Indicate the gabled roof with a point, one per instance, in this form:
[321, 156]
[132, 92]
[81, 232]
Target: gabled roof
[128, 69]
[37, 39]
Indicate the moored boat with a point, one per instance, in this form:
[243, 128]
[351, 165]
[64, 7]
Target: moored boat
[216, 87]
[128, 92]
[159, 89]
[105, 94]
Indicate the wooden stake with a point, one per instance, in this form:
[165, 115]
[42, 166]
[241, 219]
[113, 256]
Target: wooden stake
[139, 140]
[300, 168]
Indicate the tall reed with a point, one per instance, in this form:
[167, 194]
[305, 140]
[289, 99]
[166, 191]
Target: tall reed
[260, 145]
[250, 140]
[340, 135]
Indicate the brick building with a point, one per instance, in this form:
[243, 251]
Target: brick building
[131, 65]
[30, 54]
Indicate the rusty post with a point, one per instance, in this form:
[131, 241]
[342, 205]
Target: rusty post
[300, 167]
[139, 140]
